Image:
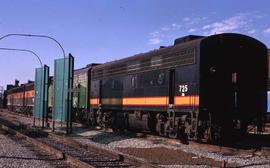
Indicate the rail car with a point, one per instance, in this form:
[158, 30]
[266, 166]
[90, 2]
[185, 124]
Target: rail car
[204, 88]
[21, 98]
[80, 94]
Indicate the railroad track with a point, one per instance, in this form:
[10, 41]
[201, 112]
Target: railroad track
[130, 161]
[16, 151]
[73, 152]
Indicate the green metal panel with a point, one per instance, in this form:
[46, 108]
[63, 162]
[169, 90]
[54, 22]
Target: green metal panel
[63, 82]
[38, 86]
[41, 92]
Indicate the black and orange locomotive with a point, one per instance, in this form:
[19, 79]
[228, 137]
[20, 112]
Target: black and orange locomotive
[21, 98]
[201, 87]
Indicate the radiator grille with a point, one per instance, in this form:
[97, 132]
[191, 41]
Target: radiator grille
[163, 61]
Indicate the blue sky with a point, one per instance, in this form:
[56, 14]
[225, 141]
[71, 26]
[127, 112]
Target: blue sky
[106, 30]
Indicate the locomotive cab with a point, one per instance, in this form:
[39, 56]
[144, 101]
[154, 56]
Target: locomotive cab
[233, 83]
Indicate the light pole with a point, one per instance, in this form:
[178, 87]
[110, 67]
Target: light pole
[48, 37]
[35, 35]
[24, 50]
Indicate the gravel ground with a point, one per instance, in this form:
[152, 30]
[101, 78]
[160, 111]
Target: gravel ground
[256, 159]
[15, 152]
[165, 156]
[140, 146]
[198, 153]
[185, 166]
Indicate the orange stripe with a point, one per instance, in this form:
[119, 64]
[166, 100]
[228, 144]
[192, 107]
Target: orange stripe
[29, 94]
[112, 101]
[186, 100]
[148, 101]
[94, 101]
[133, 101]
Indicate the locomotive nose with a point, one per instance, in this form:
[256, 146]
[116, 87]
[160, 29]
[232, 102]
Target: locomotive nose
[234, 78]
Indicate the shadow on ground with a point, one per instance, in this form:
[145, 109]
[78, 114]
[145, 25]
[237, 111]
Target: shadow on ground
[108, 137]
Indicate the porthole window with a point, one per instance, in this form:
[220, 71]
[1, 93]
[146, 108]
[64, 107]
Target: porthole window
[152, 82]
[113, 84]
[133, 81]
[161, 78]
[213, 70]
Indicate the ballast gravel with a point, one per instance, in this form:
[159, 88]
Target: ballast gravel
[241, 161]
[115, 142]
[16, 153]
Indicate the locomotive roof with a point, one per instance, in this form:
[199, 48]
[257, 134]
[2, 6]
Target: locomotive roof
[183, 42]
[19, 88]
[86, 68]
[180, 43]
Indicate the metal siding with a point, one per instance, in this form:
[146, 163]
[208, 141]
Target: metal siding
[116, 89]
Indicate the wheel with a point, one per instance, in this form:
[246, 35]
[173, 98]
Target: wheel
[171, 132]
[160, 128]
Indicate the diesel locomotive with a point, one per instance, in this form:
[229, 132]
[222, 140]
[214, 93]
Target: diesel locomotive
[201, 88]
[21, 98]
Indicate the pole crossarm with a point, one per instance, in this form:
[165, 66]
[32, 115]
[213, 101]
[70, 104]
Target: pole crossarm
[24, 50]
[35, 35]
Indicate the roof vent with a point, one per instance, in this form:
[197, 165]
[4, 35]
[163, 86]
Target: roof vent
[17, 83]
[162, 47]
[186, 39]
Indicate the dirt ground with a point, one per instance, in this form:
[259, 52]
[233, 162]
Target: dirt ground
[164, 156]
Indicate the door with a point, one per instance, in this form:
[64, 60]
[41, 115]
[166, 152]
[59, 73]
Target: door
[171, 86]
